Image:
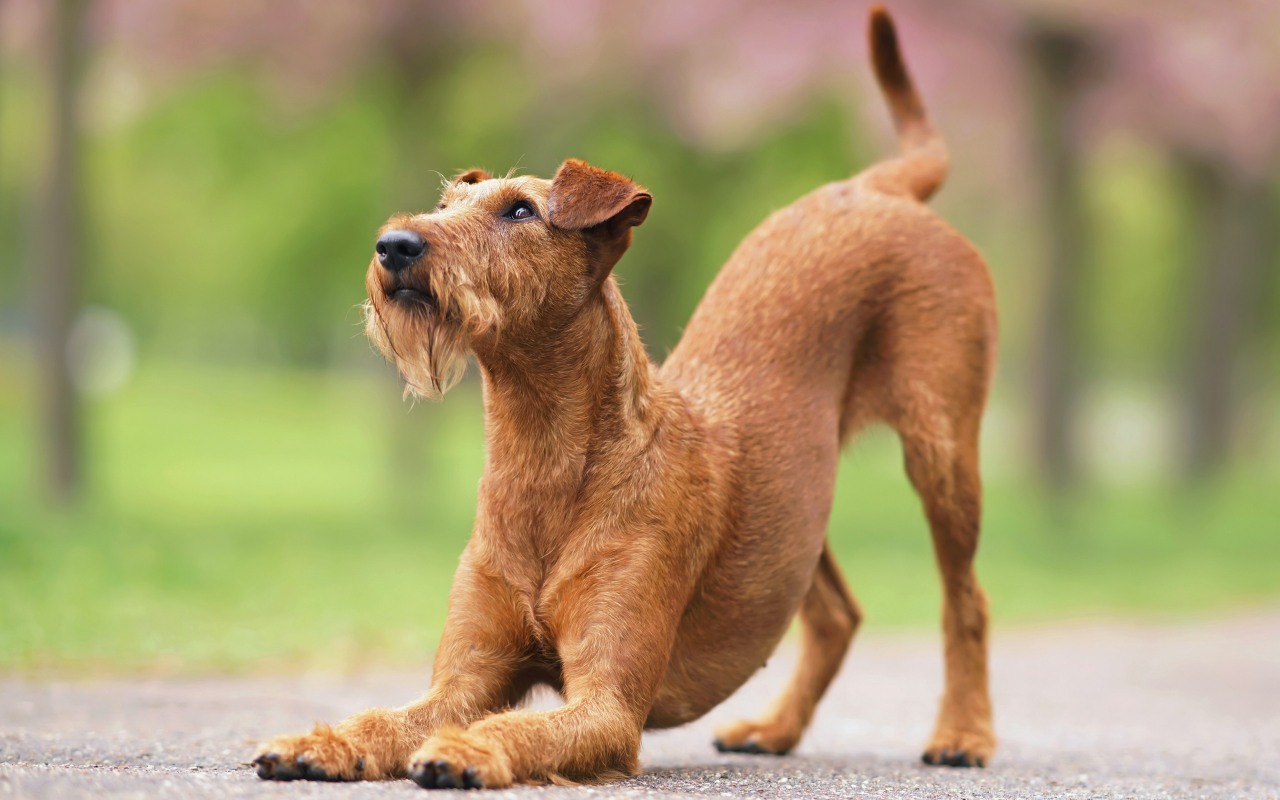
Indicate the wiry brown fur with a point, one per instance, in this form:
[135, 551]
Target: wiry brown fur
[644, 535]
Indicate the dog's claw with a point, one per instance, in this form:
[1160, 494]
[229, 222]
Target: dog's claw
[271, 768]
[952, 758]
[748, 747]
[438, 775]
[470, 780]
[959, 758]
[445, 780]
[309, 771]
[266, 765]
[423, 774]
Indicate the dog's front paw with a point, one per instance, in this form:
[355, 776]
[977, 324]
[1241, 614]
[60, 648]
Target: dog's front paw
[454, 760]
[954, 747]
[322, 755]
[768, 738]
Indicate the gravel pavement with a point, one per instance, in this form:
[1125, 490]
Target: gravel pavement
[1086, 710]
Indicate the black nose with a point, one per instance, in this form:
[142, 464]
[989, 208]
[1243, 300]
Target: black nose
[398, 249]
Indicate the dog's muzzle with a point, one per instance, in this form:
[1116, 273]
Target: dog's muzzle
[399, 249]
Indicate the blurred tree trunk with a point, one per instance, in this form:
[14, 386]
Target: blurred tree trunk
[1235, 212]
[1056, 59]
[58, 254]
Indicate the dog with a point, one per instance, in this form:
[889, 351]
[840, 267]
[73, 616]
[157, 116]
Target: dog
[645, 534]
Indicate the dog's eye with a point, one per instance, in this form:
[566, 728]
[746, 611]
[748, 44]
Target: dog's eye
[520, 210]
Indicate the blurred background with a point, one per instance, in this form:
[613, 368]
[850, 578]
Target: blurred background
[204, 467]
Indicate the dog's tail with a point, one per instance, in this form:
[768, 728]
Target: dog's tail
[921, 168]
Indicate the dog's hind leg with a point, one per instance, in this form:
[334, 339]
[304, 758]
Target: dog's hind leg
[942, 461]
[829, 618]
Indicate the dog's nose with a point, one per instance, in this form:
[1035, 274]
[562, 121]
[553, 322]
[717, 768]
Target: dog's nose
[400, 248]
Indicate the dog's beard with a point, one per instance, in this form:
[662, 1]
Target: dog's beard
[429, 344]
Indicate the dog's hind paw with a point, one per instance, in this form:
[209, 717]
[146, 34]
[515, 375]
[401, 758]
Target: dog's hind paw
[322, 755]
[959, 749]
[756, 738]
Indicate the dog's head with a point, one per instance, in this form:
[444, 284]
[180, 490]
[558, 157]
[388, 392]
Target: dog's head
[498, 260]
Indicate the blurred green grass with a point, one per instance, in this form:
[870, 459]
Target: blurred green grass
[247, 519]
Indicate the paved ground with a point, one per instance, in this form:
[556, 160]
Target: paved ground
[1084, 711]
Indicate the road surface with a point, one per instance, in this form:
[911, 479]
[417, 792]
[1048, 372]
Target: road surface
[1086, 710]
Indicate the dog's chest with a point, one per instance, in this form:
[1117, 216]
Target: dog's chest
[552, 566]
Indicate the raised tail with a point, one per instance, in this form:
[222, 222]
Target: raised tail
[921, 168]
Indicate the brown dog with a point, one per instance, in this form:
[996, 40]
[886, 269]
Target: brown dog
[645, 534]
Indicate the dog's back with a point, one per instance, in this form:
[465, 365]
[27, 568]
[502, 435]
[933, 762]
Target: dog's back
[848, 262]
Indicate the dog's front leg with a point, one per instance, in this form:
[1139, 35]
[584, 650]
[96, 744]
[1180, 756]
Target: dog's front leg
[476, 673]
[614, 643]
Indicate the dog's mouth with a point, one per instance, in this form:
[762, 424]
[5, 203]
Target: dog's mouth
[414, 298]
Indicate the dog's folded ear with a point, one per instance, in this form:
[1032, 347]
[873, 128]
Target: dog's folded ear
[583, 196]
[471, 176]
[602, 204]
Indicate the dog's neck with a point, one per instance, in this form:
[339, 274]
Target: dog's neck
[549, 398]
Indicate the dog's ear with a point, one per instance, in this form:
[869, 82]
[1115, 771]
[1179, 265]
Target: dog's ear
[602, 204]
[471, 176]
[583, 196]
